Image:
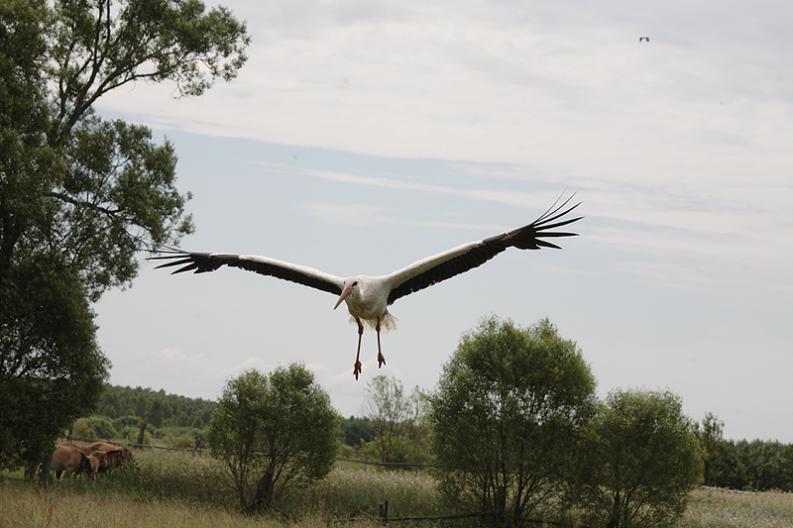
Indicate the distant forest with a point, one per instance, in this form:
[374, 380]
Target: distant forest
[161, 409]
[156, 407]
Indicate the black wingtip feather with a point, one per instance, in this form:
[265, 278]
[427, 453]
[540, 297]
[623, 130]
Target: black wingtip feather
[189, 267]
[545, 227]
[544, 220]
[545, 243]
[175, 263]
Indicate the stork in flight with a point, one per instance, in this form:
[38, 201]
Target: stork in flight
[368, 297]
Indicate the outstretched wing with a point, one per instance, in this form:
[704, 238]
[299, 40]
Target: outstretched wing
[204, 262]
[429, 271]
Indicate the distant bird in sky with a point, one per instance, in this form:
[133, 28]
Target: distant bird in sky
[644, 39]
[368, 297]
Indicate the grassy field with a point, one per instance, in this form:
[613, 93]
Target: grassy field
[714, 508]
[175, 489]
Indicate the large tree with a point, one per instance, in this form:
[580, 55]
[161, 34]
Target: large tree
[507, 412]
[79, 194]
[272, 432]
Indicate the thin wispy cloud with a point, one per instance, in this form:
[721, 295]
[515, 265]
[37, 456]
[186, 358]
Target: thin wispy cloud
[365, 215]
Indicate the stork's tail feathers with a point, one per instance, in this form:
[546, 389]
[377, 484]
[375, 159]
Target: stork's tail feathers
[387, 322]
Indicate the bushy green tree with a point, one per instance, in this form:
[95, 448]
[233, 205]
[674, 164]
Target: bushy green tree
[80, 195]
[640, 460]
[398, 419]
[273, 431]
[714, 450]
[388, 408]
[51, 370]
[154, 412]
[103, 426]
[83, 430]
[506, 415]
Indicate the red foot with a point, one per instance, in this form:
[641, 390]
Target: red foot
[380, 359]
[357, 369]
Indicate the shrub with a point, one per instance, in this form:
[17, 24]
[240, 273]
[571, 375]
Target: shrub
[272, 432]
[640, 459]
[506, 413]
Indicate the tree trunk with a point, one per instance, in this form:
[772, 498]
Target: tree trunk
[142, 433]
[614, 520]
[264, 493]
[46, 463]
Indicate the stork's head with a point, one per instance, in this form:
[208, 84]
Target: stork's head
[350, 287]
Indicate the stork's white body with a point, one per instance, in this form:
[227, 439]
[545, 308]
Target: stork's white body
[368, 298]
[369, 301]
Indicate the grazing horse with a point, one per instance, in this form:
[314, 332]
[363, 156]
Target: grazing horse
[116, 456]
[71, 460]
[97, 462]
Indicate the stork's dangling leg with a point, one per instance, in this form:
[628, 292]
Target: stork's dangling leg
[357, 369]
[380, 356]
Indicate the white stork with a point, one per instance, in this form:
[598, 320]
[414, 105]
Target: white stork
[368, 297]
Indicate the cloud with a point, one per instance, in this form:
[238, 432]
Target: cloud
[176, 355]
[365, 215]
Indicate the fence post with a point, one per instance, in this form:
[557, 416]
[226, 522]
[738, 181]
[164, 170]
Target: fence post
[383, 507]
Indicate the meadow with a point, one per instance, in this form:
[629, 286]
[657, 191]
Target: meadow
[176, 489]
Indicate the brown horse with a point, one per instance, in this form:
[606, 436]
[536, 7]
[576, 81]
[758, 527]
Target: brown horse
[97, 462]
[71, 460]
[116, 455]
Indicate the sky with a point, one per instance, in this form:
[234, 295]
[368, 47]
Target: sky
[361, 136]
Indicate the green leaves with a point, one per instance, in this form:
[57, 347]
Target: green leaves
[509, 405]
[79, 195]
[51, 370]
[641, 460]
[117, 198]
[273, 431]
[97, 48]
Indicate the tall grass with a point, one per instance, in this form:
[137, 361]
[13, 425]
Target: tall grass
[24, 506]
[345, 492]
[173, 475]
[349, 492]
[176, 489]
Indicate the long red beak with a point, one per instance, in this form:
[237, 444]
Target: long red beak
[344, 294]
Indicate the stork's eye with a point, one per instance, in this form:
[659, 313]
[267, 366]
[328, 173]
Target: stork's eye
[355, 283]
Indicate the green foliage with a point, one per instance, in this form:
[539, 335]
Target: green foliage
[79, 195]
[356, 431]
[744, 465]
[154, 412]
[51, 370]
[272, 432]
[398, 425]
[388, 408]
[506, 415]
[750, 465]
[132, 404]
[640, 459]
[83, 430]
[102, 425]
[127, 421]
[714, 450]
